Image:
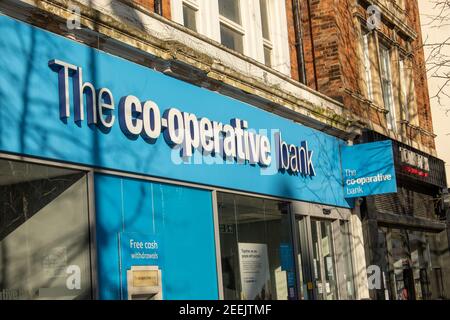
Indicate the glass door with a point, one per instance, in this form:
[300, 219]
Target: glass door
[324, 259]
[316, 259]
[303, 261]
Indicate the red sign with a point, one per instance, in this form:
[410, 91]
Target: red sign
[415, 171]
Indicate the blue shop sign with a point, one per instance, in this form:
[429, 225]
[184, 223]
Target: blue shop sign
[65, 101]
[368, 169]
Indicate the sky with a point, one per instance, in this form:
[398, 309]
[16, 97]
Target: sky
[432, 33]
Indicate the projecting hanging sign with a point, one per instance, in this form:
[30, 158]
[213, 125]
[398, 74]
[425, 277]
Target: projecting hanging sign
[368, 169]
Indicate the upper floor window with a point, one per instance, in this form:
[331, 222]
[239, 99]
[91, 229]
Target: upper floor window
[265, 28]
[404, 85]
[386, 86]
[231, 10]
[255, 28]
[190, 15]
[367, 65]
[231, 31]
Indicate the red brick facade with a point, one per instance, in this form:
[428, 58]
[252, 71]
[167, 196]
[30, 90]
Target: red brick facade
[331, 41]
[150, 5]
[331, 34]
[420, 76]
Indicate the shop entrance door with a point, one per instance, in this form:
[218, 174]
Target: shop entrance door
[316, 259]
[324, 266]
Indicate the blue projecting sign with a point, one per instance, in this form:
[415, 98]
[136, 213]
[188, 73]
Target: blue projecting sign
[368, 169]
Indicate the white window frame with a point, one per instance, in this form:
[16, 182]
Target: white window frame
[267, 43]
[367, 65]
[208, 24]
[386, 77]
[404, 85]
[193, 5]
[236, 27]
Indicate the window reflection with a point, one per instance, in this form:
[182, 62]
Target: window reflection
[44, 239]
[415, 263]
[257, 254]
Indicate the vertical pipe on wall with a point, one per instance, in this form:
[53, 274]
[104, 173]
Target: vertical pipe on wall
[313, 51]
[299, 41]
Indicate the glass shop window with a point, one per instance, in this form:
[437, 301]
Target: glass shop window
[44, 233]
[256, 249]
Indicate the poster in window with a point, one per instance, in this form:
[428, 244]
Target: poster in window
[254, 271]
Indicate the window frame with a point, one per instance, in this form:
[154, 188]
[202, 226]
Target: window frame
[387, 88]
[367, 65]
[405, 89]
[209, 19]
[92, 234]
[234, 26]
[267, 43]
[191, 4]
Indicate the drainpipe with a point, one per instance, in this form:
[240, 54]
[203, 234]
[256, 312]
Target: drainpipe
[299, 41]
[158, 7]
[313, 51]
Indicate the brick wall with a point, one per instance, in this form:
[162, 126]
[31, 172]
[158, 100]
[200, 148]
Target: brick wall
[324, 37]
[419, 74]
[337, 67]
[292, 40]
[150, 5]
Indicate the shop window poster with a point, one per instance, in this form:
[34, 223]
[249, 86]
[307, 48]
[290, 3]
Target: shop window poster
[254, 271]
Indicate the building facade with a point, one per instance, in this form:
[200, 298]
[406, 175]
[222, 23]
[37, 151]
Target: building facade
[369, 55]
[191, 149]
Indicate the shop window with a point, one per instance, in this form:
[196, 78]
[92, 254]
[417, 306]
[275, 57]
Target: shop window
[256, 249]
[416, 264]
[44, 233]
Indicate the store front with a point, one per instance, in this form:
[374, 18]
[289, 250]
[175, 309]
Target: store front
[114, 187]
[406, 232]
[325, 257]
[321, 245]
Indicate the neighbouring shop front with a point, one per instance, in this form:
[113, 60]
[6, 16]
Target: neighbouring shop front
[406, 232]
[118, 182]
